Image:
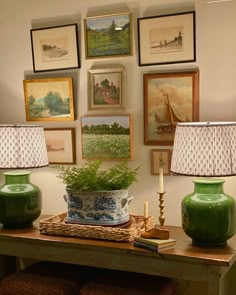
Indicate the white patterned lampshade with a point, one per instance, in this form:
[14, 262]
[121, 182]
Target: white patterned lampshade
[22, 146]
[204, 149]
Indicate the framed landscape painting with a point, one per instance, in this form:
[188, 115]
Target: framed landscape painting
[167, 39]
[55, 48]
[108, 35]
[60, 144]
[169, 98]
[106, 88]
[49, 99]
[107, 137]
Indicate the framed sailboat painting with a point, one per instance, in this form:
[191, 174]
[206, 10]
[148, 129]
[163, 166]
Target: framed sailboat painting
[169, 98]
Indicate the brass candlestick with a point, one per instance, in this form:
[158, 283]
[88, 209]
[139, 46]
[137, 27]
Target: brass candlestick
[161, 206]
[158, 232]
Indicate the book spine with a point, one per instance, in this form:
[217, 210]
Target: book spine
[145, 246]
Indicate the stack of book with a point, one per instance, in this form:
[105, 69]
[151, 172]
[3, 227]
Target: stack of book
[154, 244]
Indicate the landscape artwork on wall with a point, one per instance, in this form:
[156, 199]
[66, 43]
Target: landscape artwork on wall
[106, 88]
[49, 99]
[108, 36]
[55, 48]
[165, 39]
[60, 144]
[169, 98]
[107, 137]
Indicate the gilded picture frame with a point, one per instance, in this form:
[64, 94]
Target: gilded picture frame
[169, 98]
[49, 99]
[108, 35]
[107, 137]
[60, 144]
[107, 89]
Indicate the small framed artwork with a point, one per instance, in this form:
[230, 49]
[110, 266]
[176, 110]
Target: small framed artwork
[106, 88]
[55, 48]
[49, 99]
[108, 35]
[107, 137]
[169, 98]
[167, 39]
[60, 144]
[162, 156]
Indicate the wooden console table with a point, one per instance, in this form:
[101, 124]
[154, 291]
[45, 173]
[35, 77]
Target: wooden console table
[183, 262]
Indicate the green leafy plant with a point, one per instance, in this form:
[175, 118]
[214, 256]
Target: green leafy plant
[90, 177]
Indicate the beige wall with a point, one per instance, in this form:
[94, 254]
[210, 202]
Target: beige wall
[216, 60]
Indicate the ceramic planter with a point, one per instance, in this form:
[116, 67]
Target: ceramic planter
[98, 207]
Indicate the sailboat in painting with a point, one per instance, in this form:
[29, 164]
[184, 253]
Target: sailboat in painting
[167, 120]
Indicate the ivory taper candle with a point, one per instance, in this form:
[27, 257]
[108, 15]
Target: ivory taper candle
[161, 177]
[145, 209]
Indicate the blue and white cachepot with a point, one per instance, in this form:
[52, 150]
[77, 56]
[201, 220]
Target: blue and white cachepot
[98, 207]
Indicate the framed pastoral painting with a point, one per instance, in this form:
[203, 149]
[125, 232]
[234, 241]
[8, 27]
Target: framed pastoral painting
[106, 88]
[49, 99]
[167, 39]
[107, 137]
[169, 98]
[60, 144]
[108, 35]
[55, 48]
[162, 156]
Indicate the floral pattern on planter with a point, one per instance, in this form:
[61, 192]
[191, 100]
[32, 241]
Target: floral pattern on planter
[98, 208]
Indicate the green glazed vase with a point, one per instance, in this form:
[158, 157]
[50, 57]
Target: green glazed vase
[208, 214]
[20, 201]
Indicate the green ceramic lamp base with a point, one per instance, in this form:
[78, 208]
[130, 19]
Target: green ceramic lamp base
[208, 214]
[20, 200]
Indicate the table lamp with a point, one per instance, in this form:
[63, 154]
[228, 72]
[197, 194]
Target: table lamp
[21, 146]
[207, 150]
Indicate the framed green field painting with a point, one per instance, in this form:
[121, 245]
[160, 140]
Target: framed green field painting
[107, 137]
[108, 35]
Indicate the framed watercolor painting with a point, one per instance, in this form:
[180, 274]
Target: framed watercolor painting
[107, 137]
[158, 156]
[55, 48]
[60, 144]
[108, 35]
[167, 39]
[106, 88]
[169, 98]
[49, 99]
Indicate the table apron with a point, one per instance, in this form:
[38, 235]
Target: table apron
[111, 259]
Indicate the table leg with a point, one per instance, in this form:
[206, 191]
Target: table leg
[7, 265]
[217, 281]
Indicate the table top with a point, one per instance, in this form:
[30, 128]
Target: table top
[183, 250]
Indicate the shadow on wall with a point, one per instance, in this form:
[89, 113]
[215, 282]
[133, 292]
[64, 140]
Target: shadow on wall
[11, 100]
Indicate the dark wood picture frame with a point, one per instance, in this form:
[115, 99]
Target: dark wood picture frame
[55, 48]
[169, 98]
[167, 39]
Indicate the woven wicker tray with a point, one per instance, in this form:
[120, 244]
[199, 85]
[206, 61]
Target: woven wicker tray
[56, 225]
